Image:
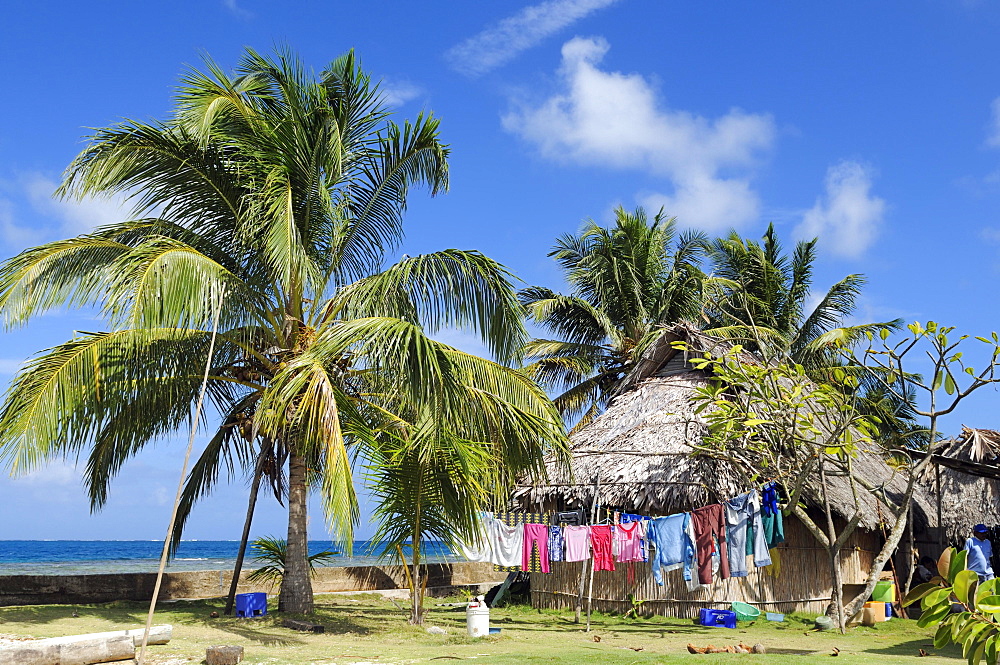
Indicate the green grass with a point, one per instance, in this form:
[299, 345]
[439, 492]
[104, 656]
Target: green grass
[370, 629]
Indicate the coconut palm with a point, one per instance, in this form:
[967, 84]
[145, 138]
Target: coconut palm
[266, 208]
[626, 282]
[760, 295]
[431, 485]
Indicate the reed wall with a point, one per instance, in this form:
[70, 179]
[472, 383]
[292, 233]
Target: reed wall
[803, 583]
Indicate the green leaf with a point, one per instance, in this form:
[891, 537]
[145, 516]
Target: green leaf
[957, 564]
[934, 615]
[935, 597]
[949, 384]
[884, 333]
[989, 605]
[963, 584]
[942, 636]
[987, 588]
[991, 650]
[918, 592]
[938, 379]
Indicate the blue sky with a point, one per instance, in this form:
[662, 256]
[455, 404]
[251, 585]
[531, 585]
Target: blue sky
[875, 126]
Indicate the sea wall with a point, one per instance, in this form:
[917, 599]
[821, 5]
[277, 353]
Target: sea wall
[81, 589]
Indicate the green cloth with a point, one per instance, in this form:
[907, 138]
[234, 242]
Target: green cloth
[774, 528]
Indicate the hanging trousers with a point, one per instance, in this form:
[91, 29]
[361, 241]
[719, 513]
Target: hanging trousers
[535, 534]
[709, 526]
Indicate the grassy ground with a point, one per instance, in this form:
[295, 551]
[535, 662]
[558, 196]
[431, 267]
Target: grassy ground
[371, 630]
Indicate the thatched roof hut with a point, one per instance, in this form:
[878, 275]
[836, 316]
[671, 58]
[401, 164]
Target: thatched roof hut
[641, 449]
[969, 469]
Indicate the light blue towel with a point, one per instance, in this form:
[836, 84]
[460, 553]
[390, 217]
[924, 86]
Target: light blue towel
[673, 547]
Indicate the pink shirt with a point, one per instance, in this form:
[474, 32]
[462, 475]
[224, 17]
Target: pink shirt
[628, 539]
[577, 543]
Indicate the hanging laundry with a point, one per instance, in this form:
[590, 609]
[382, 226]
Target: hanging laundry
[672, 548]
[478, 549]
[772, 520]
[568, 518]
[629, 540]
[556, 543]
[577, 543]
[694, 583]
[756, 540]
[600, 541]
[709, 527]
[535, 535]
[517, 517]
[507, 542]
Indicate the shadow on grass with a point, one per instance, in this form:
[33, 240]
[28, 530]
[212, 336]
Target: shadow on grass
[267, 630]
[913, 647]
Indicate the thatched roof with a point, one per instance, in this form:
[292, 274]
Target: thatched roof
[641, 448]
[970, 489]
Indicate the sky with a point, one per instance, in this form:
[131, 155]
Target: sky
[873, 126]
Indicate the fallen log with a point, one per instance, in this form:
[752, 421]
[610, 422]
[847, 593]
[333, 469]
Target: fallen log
[157, 634]
[69, 651]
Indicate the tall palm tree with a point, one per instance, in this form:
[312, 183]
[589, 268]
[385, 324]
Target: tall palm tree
[760, 295]
[270, 199]
[626, 282]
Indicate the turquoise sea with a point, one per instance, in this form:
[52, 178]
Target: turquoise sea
[71, 557]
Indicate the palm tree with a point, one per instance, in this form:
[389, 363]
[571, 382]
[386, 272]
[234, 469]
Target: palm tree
[432, 485]
[626, 282]
[759, 295]
[271, 198]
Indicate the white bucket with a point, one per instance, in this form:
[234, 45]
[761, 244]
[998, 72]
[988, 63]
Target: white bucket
[477, 618]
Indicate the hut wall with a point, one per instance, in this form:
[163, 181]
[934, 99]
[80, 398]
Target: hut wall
[803, 583]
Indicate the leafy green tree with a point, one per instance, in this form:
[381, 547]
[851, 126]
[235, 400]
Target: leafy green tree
[431, 484]
[626, 281]
[975, 627]
[767, 416]
[272, 198]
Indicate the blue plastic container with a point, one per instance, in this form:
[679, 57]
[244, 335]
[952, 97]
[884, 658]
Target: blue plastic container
[251, 604]
[717, 618]
[888, 611]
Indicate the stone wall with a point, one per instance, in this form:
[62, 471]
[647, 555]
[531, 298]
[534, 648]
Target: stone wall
[79, 589]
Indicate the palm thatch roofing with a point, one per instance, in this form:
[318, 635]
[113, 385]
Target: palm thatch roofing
[969, 467]
[641, 450]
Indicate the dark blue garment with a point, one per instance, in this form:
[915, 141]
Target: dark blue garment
[769, 499]
[556, 543]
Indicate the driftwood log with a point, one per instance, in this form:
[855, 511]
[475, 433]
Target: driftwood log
[157, 634]
[74, 650]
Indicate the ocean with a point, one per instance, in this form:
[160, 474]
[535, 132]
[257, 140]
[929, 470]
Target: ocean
[73, 557]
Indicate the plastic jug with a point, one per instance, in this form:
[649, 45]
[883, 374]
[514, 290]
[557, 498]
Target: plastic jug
[477, 617]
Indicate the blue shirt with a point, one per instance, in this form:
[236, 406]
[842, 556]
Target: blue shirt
[978, 560]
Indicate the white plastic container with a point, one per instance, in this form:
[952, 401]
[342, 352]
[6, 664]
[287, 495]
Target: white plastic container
[477, 617]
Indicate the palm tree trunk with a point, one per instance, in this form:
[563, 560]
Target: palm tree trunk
[252, 504]
[296, 586]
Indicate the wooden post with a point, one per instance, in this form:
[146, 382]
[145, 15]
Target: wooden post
[593, 518]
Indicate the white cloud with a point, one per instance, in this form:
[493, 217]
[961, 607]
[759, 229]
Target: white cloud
[847, 217]
[51, 218]
[53, 474]
[500, 43]
[993, 137]
[238, 11]
[397, 93]
[614, 119]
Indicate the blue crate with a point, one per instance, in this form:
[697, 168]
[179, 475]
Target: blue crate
[717, 618]
[251, 604]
